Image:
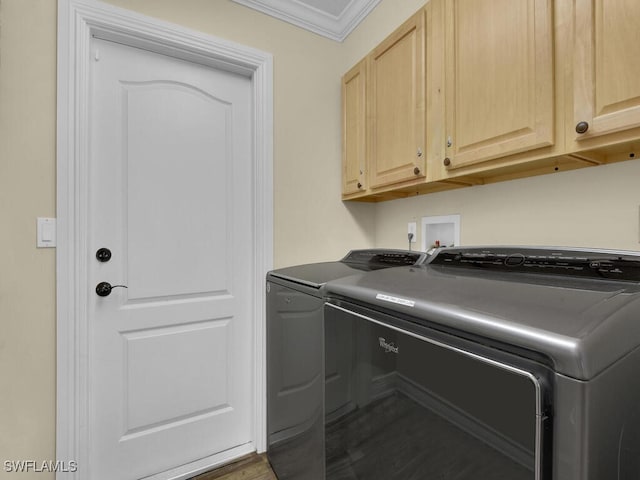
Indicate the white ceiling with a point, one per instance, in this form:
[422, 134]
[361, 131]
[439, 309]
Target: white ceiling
[332, 7]
[333, 19]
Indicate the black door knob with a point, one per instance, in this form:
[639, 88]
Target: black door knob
[103, 289]
[103, 254]
[447, 162]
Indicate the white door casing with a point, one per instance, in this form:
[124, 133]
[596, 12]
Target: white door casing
[79, 22]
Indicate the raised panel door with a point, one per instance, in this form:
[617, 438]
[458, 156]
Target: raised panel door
[606, 68]
[170, 355]
[396, 104]
[354, 129]
[499, 79]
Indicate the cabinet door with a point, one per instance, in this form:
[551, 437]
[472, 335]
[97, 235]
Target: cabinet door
[396, 105]
[606, 68]
[499, 79]
[353, 129]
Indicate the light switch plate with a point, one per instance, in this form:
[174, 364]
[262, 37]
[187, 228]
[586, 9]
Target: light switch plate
[46, 232]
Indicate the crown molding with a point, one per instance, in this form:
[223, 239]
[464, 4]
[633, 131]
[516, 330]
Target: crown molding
[313, 19]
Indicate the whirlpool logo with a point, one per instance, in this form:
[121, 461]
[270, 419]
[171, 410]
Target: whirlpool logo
[386, 346]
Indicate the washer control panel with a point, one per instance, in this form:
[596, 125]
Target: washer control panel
[579, 263]
[383, 258]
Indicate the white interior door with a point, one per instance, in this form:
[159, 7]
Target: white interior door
[170, 195]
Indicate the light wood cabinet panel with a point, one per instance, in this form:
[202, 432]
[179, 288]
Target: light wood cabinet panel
[468, 92]
[498, 78]
[353, 129]
[396, 105]
[606, 67]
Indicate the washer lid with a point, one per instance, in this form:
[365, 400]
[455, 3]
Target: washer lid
[582, 324]
[315, 275]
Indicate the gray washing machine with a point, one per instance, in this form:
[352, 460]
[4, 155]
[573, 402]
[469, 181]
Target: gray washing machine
[297, 377]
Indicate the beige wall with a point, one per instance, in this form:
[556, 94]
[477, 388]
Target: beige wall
[27, 190]
[591, 207]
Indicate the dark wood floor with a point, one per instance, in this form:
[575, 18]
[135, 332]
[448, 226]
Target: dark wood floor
[251, 467]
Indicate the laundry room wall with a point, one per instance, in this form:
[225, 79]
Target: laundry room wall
[595, 207]
[27, 274]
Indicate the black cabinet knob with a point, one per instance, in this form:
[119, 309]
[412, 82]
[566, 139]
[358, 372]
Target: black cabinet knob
[359, 185]
[416, 171]
[103, 289]
[582, 127]
[447, 162]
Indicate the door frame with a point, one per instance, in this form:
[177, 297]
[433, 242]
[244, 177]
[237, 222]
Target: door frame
[78, 22]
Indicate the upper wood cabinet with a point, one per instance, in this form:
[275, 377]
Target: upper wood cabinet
[499, 82]
[606, 70]
[396, 105]
[353, 129]
[476, 91]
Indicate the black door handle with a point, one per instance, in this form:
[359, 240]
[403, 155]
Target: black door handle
[103, 289]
